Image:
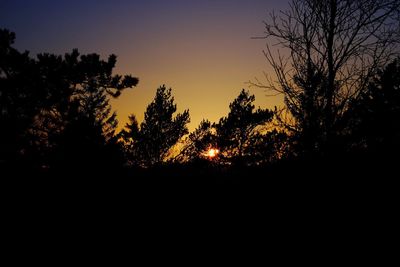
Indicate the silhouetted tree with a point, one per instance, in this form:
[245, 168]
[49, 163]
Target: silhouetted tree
[243, 137]
[129, 138]
[22, 96]
[88, 121]
[55, 110]
[197, 143]
[236, 132]
[332, 49]
[269, 147]
[152, 142]
[375, 117]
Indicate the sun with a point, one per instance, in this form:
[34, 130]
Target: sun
[211, 153]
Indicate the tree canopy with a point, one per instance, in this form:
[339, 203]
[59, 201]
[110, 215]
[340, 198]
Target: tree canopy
[151, 143]
[55, 110]
[236, 132]
[244, 137]
[331, 51]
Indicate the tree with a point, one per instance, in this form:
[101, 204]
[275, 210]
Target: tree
[269, 147]
[375, 117]
[236, 132]
[197, 143]
[129, 137]
[22, 96]
[152, 142]
[243, 137]
[54, 109]
[88, 137]
[332, 49]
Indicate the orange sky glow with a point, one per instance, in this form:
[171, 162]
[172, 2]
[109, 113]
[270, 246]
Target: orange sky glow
[201, 49]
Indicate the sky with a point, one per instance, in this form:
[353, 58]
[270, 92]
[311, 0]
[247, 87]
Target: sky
[202, 49]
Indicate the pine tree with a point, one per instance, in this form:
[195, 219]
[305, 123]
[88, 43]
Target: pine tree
[243, 123]
[159, 131]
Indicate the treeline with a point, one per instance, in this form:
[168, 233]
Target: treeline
[56, 117]
[245, 137]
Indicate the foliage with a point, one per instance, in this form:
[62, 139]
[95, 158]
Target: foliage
[151, 143]
[88, 121]
[375, 117]
[197, 143]
[244, 137]
[22, 96]
[236, 132]
[49, 105]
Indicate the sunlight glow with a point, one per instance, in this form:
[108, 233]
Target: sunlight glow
[211, 153]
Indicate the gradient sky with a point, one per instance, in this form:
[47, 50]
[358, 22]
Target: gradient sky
[201, 48]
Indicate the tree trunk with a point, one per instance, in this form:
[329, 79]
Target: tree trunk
[330, 90]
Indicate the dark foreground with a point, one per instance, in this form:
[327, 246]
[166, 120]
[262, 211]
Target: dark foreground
[354, 201]
[290, 182]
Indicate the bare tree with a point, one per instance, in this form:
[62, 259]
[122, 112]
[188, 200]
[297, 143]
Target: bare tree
[327, 52]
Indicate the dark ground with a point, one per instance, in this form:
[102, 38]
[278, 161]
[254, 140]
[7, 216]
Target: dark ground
[289, 183]
[345, 207]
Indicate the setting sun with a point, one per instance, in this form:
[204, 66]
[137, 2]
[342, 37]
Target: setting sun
[212, 152]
